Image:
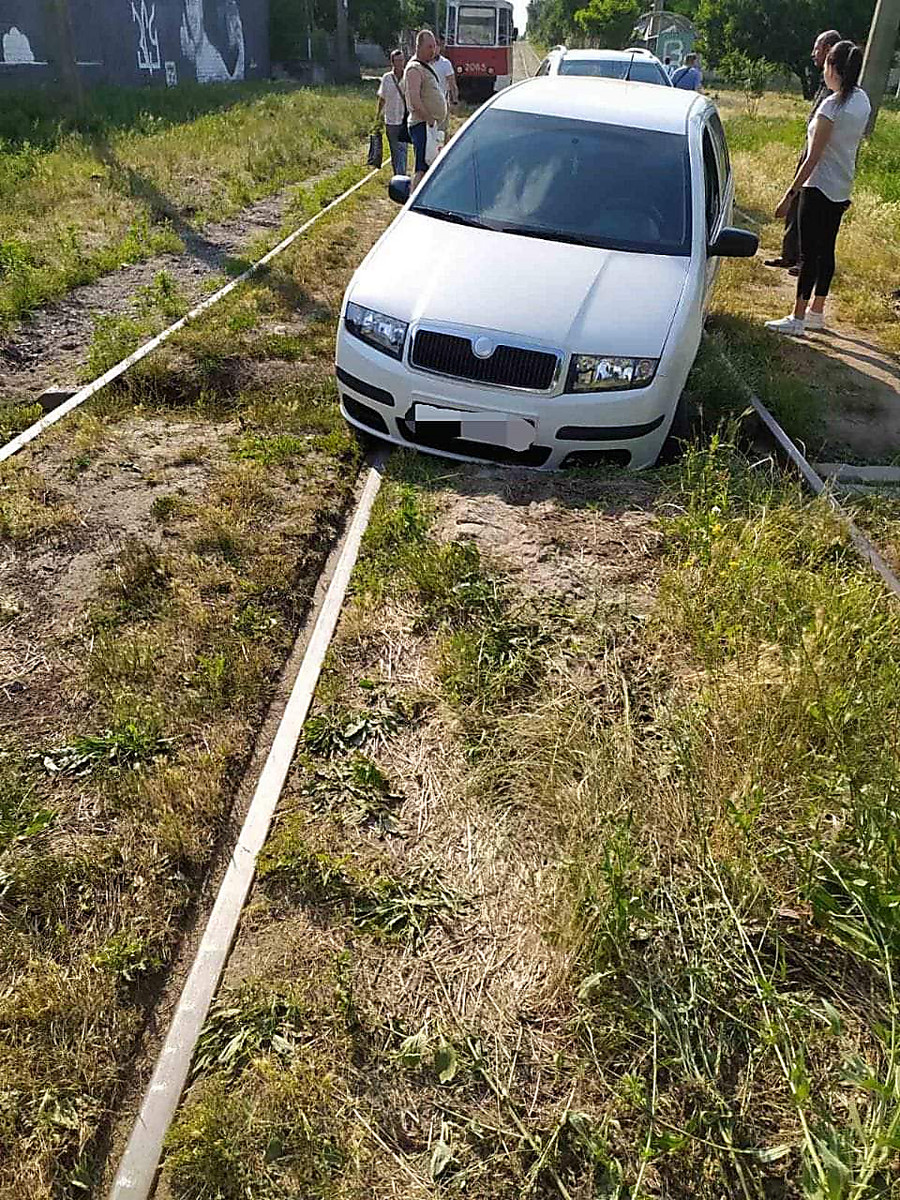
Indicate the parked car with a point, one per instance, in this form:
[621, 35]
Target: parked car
[634, 65]
[541, 296]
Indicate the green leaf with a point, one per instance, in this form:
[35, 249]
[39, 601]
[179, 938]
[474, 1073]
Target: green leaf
[412, 1049]
[445, 1062]
[441, 1158]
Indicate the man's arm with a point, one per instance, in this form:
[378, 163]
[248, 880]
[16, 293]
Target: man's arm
[454, 89]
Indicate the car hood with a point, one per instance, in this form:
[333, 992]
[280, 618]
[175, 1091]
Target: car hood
[572, 298]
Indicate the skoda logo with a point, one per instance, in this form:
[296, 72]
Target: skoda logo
[482, 347]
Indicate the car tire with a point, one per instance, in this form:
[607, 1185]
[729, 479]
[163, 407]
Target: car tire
[366, 442]
[679, 432]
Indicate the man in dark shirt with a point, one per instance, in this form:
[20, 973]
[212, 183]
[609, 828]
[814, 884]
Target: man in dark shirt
[790, 246]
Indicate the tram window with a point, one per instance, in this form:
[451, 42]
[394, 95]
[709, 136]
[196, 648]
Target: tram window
[476, 26]
[451, 25]
[505, 27]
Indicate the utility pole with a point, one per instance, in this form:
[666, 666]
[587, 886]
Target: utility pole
[879, 54]
[340, 37]
[62, 42]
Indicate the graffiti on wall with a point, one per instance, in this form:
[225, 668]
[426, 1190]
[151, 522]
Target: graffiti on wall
[148, 54]
[130, 42]
[211, 63]
[16, 48]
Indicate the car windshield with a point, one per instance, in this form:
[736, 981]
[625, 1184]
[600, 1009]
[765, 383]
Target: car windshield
[566, 181]
[638, 70]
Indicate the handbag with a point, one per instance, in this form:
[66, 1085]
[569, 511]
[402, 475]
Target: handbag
[432, 143]
[403, 131]
[376, 149]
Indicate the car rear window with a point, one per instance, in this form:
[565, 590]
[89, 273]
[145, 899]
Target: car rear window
[638, 70]
[566, 180]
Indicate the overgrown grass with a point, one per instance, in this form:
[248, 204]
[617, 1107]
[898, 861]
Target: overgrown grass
[117, 775]
[675, 972]
[81, 196]
[765, 150]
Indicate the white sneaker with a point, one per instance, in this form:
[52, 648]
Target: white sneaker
[789, 325]
[815, 320]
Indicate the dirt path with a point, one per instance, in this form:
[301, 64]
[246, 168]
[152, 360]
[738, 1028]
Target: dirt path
[50, 347]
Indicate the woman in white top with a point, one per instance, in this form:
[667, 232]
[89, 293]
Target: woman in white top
[825, 180]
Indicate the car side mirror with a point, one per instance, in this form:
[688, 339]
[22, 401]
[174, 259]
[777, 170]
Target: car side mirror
[734, 243]
[398, 189]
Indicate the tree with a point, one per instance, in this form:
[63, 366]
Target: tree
[610, 22]
[781, 31]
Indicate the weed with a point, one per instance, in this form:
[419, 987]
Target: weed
[248, 1025]
[21, 815]
[352, 788]
[129, 745]
[114, 338]
[127, 956]
[137, 580]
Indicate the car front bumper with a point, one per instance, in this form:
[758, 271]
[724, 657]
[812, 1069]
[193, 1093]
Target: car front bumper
[379, 394]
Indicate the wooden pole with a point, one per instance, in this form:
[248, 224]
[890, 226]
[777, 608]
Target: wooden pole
[879, 54]
[62, 48]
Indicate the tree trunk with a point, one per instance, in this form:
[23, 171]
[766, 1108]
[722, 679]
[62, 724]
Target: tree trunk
[62, 53]
[805, 75]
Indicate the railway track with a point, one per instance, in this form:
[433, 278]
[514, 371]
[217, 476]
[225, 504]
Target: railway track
[136, 1174]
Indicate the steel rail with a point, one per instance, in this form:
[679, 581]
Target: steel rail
[814, 481]
[91, 389]
[136, 1175]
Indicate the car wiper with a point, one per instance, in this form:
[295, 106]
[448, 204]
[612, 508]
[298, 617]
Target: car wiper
[443, 214]
[550, 235]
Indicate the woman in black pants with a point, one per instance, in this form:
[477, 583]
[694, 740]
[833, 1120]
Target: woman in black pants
[824, 181]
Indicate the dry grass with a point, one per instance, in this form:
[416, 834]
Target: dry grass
[662, 961]
[764, 152]
[136, 673]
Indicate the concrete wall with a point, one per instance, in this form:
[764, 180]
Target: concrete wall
[141, 42]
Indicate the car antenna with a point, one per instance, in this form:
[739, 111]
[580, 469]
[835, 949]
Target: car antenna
[630, 65]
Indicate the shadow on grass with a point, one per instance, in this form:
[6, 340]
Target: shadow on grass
[43, 118]
[197, 245]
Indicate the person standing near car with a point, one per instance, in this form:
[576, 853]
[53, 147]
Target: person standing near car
[424, 99]
[392, 104]
[824, 182]
[790, 245]
[447, 76]
[689, 77]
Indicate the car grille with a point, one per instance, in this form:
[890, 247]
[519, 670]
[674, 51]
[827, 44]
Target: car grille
[508, 366]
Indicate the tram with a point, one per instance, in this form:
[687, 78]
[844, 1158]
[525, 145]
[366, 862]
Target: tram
[480, 37]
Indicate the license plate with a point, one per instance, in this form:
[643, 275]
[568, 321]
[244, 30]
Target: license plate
[496, 429]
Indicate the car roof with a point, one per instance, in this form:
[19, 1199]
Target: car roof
[602, 55]
[607, 101]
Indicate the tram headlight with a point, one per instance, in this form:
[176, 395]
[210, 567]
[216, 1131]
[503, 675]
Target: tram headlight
[378, 329]
[609, 372]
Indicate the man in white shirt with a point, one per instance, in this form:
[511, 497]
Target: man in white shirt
[392, 103]
[447, 76]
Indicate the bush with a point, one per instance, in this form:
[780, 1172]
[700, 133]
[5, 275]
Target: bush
[749, 75]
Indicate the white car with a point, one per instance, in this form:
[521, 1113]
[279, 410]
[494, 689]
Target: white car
[636, 65]
[541, 296]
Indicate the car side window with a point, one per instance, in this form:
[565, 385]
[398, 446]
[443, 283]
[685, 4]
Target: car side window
[720, 146]
[712, 182]
[544, 68]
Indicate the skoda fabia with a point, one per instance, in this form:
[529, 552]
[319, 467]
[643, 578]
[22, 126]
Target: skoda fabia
[540, 298]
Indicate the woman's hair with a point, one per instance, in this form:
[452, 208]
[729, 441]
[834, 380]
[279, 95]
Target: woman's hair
[846, 58]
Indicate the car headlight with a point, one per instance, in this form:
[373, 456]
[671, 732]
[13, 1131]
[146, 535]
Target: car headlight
[605, 372]
[379, 330]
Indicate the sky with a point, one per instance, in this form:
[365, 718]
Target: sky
[520, 8]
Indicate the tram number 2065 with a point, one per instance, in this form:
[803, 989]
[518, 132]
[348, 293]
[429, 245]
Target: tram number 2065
[474, 68]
